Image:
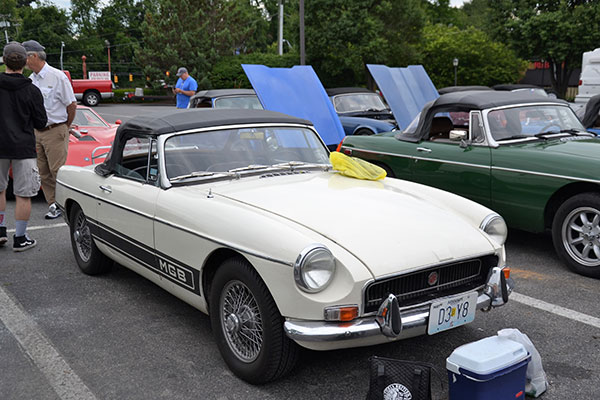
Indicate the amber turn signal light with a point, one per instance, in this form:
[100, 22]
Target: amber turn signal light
[341, 313]
[506, 271]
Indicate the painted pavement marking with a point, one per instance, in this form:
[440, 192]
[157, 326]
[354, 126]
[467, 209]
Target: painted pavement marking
[64, 381]
[38, 227]
[554, 309]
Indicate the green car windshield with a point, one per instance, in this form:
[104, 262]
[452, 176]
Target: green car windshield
[528, 121]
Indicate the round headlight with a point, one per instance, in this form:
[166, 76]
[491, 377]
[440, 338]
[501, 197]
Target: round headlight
[495, 227]
[314, 268]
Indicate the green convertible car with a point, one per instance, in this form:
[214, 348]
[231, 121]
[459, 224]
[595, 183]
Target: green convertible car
[526, 157]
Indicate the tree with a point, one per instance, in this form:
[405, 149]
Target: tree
[344, 35]
[481, 60]
[558, 31]
[196, 34]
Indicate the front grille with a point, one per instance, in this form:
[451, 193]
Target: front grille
[415, 287]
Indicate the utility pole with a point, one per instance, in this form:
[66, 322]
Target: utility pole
[108, 47]
[302, 52]
[62, 45]
[280, 34]
[455, 63]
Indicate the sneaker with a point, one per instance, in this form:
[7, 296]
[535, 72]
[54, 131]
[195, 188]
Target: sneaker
[3, 237]
[22, 243]
[53, 212]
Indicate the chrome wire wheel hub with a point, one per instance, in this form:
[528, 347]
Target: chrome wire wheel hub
[241, 321]
[581, 236]
[82, 238]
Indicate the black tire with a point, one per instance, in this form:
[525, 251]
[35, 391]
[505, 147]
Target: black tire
[388, 171]
[91, 98]
[275, 354]
[576, 233]
[363, 132]
[90, 260]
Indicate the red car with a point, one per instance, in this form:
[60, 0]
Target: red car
[94, 132]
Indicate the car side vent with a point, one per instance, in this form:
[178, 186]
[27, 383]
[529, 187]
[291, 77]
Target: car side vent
[282, 173]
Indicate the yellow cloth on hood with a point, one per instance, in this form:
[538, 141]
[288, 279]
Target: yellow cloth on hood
[355, 167]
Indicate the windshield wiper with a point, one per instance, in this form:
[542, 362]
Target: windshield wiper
[513, 137]
[292, 164]
[199, 174]
[248, 168]
[576, 132]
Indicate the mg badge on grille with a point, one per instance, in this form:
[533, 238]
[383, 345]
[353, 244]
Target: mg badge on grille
[432, 279]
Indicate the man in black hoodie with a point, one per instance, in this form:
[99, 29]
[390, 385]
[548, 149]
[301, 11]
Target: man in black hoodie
[21, 110]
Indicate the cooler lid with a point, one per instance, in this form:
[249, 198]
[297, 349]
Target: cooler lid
[486, 356]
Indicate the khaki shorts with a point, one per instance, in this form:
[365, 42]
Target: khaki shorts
[25, 174]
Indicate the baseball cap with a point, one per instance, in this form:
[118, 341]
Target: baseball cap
[182, 71]
[14, 48]
[32, 45]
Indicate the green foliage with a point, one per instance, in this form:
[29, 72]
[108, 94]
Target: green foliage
[340, 43]
[556, 31]
[481, 61]
[228, 72]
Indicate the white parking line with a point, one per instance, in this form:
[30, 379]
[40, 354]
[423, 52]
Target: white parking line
[38, 227]
[64, 381]
[554, 309]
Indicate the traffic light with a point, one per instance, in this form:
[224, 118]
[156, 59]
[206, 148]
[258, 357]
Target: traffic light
[130, 78]
[168, 73]
[116, 79]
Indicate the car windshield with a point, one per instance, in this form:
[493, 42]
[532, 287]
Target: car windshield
[242, 149]
[532, 122]
[358, 102]
[247, 102]
[84, 117]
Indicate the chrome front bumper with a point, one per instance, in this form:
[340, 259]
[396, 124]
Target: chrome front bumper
[390, 324]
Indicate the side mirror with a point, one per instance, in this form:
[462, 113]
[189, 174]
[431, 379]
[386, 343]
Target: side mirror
[458, 134]
[118, 122]
[83, 131]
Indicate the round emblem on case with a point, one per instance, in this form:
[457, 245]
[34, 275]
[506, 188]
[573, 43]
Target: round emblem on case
[396, 391]
[432, 279]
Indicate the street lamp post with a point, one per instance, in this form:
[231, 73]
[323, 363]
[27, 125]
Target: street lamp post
[455, 63]
[62, 45]
[108, 47]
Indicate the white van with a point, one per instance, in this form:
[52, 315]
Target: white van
[589, 82]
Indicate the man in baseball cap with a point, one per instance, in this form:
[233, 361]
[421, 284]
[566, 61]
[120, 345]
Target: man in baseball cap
[21, 110]
[185, 88]
[52, 141]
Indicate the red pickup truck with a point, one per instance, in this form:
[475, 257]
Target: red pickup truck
[90, 91]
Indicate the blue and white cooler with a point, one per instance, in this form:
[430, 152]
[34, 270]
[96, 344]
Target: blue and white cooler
[489, 369]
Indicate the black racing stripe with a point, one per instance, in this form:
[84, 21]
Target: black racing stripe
[181, 274]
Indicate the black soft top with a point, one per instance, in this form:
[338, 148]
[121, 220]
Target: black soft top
[470, 101]
[346, 90]
[592, 108]
[450, 89]
[515, 86]
[182, 120]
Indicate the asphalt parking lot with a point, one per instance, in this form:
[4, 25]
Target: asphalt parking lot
[65, 335]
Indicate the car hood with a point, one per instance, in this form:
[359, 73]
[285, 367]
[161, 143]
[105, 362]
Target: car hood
[389, 227]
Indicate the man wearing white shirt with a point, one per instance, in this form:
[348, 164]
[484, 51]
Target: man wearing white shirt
[53, 140]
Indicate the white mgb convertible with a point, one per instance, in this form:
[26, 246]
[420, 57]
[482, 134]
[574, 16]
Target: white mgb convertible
[240, 214]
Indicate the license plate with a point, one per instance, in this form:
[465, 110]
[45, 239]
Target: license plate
[451, 312]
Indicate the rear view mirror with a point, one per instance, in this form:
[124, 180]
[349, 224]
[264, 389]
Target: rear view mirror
[118, 122]
[457, 135]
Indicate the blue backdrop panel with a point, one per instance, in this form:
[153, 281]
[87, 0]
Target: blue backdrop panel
[406, 90]
[296, 91]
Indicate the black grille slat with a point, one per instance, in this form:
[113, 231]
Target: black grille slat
[413, 288]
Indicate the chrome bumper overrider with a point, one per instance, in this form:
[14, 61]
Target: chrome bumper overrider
[391, 322]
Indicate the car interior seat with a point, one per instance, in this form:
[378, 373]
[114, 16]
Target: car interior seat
[440, 128]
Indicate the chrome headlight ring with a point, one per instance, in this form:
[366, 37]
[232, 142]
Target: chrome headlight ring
[495, 227]
[314, 268]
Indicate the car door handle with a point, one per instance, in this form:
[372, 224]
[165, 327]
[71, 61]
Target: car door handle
[106, 189]
[423, 149]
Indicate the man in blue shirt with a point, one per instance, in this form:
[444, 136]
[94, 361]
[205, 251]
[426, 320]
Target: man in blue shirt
[185, 88]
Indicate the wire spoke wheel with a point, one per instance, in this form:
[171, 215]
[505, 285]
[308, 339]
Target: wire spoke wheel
[82, 238]
[581, 235]
[241, 321]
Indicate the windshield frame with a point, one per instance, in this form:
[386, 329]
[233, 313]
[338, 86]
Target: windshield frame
[494, 143]
[162, 139]
[386, 108]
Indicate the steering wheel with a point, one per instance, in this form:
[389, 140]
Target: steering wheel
[139, 172]
[550, 125]
[283, 156]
